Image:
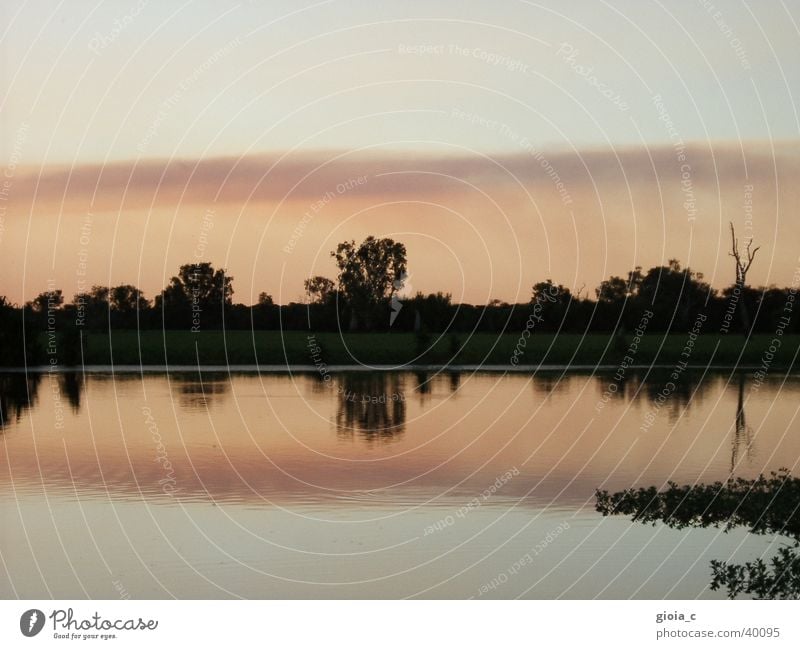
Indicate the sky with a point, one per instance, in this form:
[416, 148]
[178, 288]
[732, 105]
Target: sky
[502, 142]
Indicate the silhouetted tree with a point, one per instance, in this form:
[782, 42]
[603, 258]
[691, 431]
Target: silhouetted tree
[612, 290]
[742, 268]
[372, 293]
[319, 289]
[367, 275]
[19, 343]
[674, 294]
[434, 311]
[91, 309]
[212, 288]
[126, 302]
[127, 299]
[551, 302]
[45, 309]
[199, 294]
[49, 300]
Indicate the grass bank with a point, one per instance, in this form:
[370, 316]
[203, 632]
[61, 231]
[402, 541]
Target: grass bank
[294, 347]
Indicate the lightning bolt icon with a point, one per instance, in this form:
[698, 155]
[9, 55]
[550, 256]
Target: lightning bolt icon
[32, 621]
[399, 284]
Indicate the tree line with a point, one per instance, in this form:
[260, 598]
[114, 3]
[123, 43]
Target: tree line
[368, 295]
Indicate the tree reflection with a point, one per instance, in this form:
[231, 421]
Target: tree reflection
[200, 390]
[18, 392]
[742, 433]
[371, 404]
[423, 387]
[546, 383]
[72, 386]
[688, 389]
[678, 391]
[765, 505]
[454, 379]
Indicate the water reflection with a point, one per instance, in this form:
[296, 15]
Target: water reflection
[200, 390]
[272, 434]
[742, 433]
[391, 454]
[423, 385]
[17, 393]
[317, 382]
[684, 389]
[371, 405]
[72, 384]
[548, 383]
[455, 381]
[763, 505]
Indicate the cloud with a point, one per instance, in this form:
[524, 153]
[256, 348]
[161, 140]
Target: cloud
[309, 176]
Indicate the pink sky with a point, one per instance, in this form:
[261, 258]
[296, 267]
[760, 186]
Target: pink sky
[479, 227]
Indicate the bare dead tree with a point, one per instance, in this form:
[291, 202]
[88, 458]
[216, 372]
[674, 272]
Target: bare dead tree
[742, 267]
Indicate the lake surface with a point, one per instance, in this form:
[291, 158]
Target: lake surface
[470, 485]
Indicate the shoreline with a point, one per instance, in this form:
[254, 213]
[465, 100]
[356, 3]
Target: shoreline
[276, 352]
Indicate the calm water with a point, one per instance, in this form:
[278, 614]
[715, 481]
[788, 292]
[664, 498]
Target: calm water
[371, 485]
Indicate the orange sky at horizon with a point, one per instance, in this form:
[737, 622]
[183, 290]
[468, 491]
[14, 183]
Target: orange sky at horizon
[478, 227]
[503, 143]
